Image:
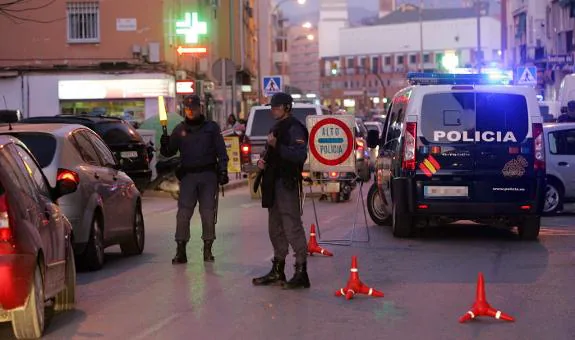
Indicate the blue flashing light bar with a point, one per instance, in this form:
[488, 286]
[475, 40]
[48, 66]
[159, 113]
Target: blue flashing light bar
[425, 78]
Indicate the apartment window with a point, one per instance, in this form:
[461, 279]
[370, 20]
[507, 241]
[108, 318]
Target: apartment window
[83, 22]
[400, 60]
[413, 59]
[387, 61]
[374, 64]
[426, 58]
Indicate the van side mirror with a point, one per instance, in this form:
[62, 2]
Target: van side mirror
[372, 138]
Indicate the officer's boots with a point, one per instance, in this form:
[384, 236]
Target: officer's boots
[299, 279]
[180, 254]
[274, 277]
[208, 257]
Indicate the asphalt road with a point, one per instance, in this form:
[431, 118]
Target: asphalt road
[429, 282]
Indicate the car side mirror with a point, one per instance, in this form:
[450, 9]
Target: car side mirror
[372, 138]
[64, 187]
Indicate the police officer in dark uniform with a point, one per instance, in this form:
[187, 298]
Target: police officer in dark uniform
[281, 184]
[569, 116]
[204, 164]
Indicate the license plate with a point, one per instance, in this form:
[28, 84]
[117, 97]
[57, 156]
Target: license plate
[332, 187]
[445, 191]
[129, 154]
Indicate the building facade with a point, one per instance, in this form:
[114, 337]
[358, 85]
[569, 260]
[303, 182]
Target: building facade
[371, 62]
[303, 51]
[111, 58]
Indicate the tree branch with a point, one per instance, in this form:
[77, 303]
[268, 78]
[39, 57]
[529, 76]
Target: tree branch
[11, 8]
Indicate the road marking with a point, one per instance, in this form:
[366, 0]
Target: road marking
[155, 328]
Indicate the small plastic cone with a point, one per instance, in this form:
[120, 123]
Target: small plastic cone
[481, 307]
[355, 286]
[313, 247]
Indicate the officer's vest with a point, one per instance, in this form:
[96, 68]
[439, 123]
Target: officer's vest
[282, 167]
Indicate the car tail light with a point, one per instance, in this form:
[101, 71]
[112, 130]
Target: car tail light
[68, 175]
[538, 146]
[409, 146]
[359, 144]
[245, 153]
[5, 225]
[334, 174]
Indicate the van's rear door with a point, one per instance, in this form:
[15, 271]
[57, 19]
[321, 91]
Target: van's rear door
[504, 170]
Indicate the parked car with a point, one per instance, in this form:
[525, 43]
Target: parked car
[106, 210]
[36, 256]
[125, 142]
[362, 156]
[373, 152]
[560, 155]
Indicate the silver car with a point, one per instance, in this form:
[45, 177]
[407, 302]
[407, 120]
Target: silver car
[560, 158]
[106, 209]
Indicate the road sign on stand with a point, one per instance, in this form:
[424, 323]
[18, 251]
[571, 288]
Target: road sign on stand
[272, 85]
[331, 143]
[526, 75]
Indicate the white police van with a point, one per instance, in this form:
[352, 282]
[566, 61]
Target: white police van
[458, 147]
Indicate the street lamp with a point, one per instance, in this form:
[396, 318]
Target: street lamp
[307, 25]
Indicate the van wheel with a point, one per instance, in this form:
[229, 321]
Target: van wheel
[136, 242]
[93, 257]
[375, 207]
[66, 299]
[529, 228]
[402, 223]
[28, 323]
[553, 197]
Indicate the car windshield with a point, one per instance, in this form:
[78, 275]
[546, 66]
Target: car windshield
[482, 111]
[42, 146]
[263, 120]
[117, 133]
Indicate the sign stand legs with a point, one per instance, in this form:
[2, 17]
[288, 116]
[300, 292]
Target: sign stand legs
[348, 241]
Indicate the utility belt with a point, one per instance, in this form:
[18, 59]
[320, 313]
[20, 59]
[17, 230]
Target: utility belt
[184, 170]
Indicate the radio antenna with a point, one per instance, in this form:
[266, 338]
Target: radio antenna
[5, 103]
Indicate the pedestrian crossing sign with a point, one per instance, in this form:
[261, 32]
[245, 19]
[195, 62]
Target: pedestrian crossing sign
[527, 75]
[272, 85]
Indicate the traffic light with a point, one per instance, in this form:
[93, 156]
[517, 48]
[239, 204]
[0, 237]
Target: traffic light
[333, 69]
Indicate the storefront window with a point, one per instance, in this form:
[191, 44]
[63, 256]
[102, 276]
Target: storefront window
[130, 109]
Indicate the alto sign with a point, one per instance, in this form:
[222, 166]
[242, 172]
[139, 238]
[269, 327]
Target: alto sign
[477, 136]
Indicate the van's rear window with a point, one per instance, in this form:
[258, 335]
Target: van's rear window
[263, 121]
[470, 112]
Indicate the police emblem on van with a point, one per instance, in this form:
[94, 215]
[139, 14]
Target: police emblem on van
[515, 168]
[478, 136]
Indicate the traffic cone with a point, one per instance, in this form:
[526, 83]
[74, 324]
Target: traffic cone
[481, 307]
[355, 286]
[313, 247]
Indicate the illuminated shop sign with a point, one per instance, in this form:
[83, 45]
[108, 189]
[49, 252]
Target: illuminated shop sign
[115, 89]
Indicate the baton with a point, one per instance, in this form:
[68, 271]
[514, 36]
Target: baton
[217, 199]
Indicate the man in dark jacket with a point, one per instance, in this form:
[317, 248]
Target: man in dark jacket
[204, 164]
[285, 154]
[568, 117]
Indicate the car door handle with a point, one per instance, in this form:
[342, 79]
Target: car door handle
[96, 176]
[563, 164]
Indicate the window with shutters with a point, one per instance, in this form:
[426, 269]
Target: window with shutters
[83, 22]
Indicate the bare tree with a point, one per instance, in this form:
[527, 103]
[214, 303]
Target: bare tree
[19, 11]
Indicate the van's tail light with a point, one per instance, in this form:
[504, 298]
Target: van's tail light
[538, 146]
[334, 174]
[359, 144]
[409, 146]
[5, 221]
[68, 175]
[245, 153]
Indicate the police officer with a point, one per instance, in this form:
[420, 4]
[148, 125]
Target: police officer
[569, 116]
[204, 164]
[285, 154]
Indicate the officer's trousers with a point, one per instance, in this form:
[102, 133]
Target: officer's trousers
[196, 188]
[285, 225]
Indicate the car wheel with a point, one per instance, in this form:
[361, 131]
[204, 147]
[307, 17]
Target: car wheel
[93, 257]
[553, 198]
[529, 228]
[402, 224]
[66, 299]
[28, 323]
[375, 207]
[137, 240]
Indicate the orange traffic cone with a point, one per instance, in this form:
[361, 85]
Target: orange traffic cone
[313, 247]
[355, 286]
[481, 307]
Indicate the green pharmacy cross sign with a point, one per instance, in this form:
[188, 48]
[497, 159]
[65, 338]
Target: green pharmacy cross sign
[191, 27]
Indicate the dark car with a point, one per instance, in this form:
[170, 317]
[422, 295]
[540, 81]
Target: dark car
[124, 141]
[36, 256]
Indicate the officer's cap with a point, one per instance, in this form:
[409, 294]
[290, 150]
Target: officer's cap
[192, 101]
[281, 98]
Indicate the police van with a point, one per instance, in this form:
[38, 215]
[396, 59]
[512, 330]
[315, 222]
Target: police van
[458, 147]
